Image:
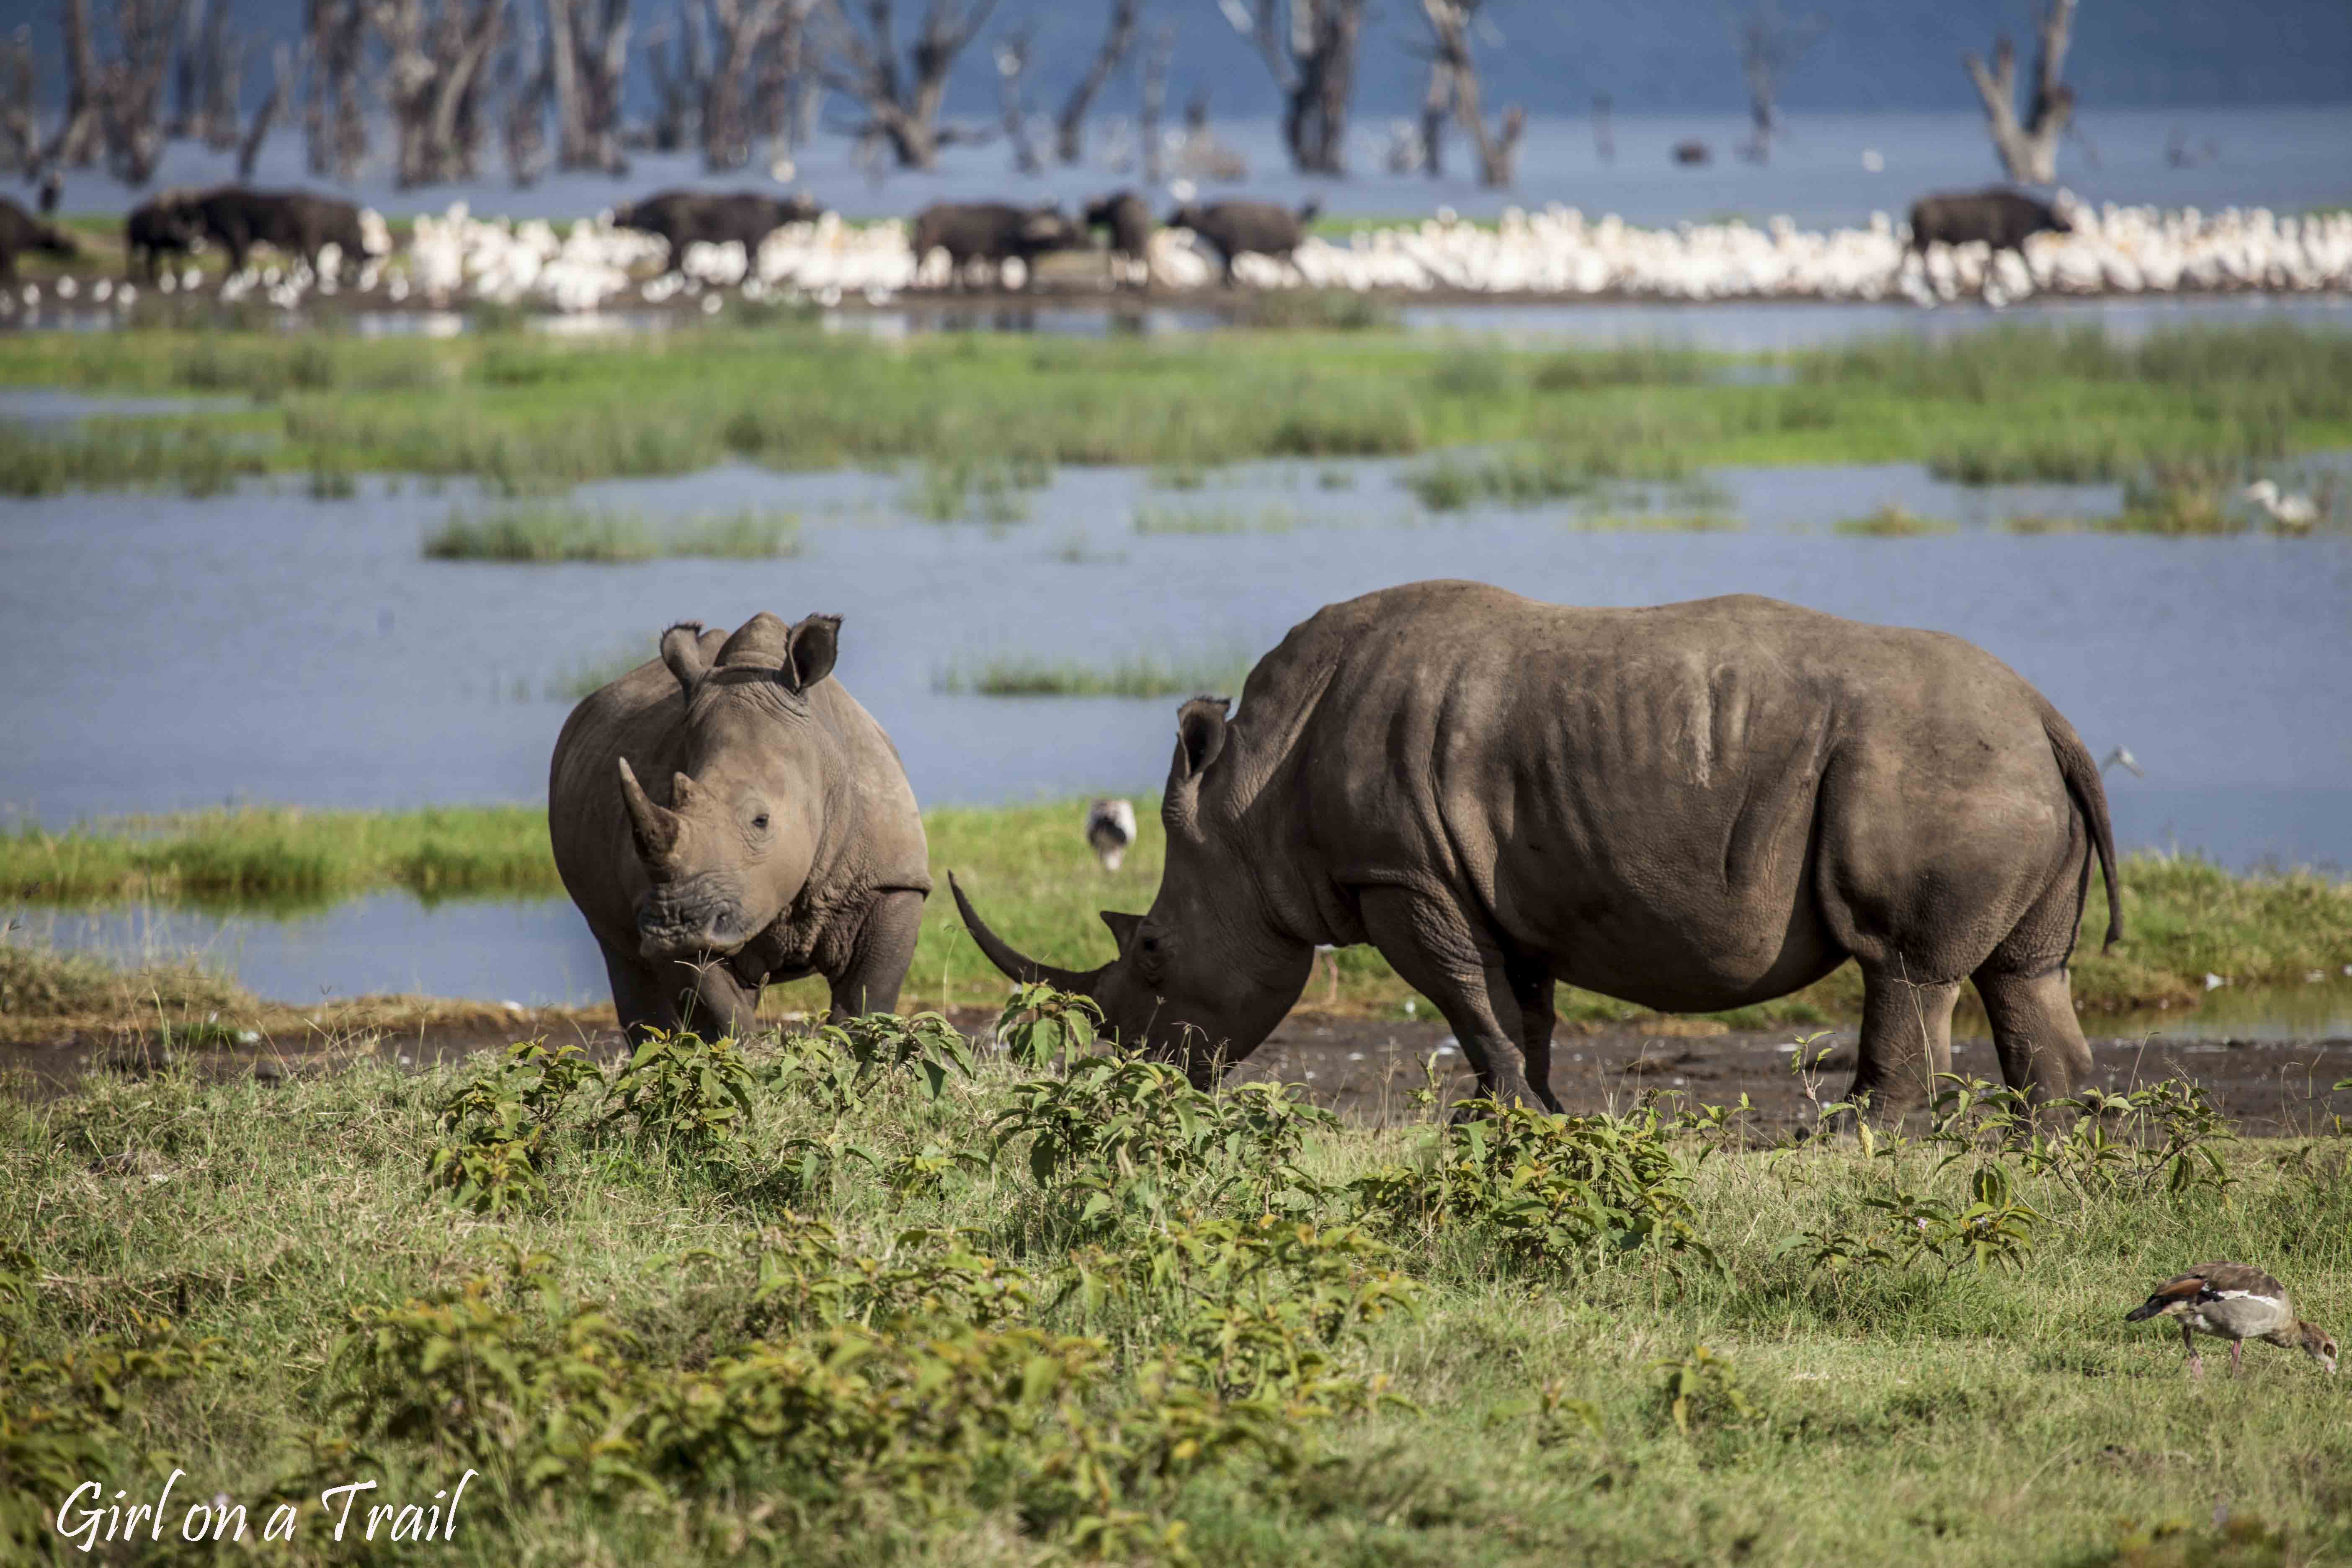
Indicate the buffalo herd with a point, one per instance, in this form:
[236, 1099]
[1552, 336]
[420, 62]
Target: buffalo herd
[178, 222]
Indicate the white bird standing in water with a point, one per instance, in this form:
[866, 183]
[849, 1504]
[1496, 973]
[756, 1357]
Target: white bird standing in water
[1110, 828]
[2292, 514]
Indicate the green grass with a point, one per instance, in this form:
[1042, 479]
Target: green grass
[1131, 675]
[528, 415]
[1038, 883]
[1274, 517]
[272, 1258]
[1889, 521]
[547, 534]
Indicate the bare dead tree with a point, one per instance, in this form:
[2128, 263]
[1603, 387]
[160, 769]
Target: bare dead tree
[1012, 97]
[755, 54]
[1768, 44]
[781, 92]
[1453, 89]
[129, 87]
[522, 81]
[902, 104]
[187, 90]
[220, 81]
[680, 69]
[282, 93]
[1604, 138]
[334, 119]
[588, 51]
[20, 111]
[2028, 148]
[1157, 56]
[439, 65]
[1310, 47]
[1118, 41]
[80, 135]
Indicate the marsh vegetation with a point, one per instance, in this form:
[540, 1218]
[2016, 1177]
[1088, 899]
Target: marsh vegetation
[545, 533]
[873, 1295]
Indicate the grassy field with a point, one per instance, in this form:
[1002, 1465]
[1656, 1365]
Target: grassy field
[857, 1299]
[531, 414]
[1037, 882]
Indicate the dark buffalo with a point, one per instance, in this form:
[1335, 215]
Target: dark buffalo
[156, 227]
[1231, 229]
[1693, 807]
[21, 231]
[2002, 219]
[993, 231]
[687, 217]
[1130, 222]
[294, 222]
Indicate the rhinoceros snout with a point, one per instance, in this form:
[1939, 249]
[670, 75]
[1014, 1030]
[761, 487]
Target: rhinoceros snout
[666, 930]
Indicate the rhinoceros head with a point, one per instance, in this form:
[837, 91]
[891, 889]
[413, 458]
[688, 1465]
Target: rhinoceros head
[731, 850]
[1207, 974]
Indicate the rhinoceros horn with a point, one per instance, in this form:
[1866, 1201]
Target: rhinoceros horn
[655, 827]
[1016, 964]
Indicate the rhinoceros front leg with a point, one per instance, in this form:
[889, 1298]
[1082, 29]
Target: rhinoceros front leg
[707, 999]
[878, 965]
[1907, 1040]
[1436, 951]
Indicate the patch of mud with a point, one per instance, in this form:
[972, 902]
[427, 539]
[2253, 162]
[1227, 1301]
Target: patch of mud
[1366, 1068]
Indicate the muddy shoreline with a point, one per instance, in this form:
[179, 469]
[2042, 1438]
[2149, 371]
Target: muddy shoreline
[1366, 1068]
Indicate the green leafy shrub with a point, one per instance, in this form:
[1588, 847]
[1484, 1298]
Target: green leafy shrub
[1699, 1389]
[1548, 1188]
[684, 1092]
[501, 1128]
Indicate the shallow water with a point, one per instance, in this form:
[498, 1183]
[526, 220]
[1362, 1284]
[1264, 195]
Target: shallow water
[538, 952]
[274, 647]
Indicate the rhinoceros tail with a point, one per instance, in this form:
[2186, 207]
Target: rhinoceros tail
[2090, 793]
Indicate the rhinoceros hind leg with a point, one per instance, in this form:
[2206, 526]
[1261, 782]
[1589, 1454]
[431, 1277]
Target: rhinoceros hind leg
[878, 965]
[1435, 952]
[1532, 983]
[1907, 1040]
[2034, 1031]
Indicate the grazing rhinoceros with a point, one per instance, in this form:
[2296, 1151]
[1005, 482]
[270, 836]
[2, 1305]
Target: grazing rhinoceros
[790, 844]
[1691, 808]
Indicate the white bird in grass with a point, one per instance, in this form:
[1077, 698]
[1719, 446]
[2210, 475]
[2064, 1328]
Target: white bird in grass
[2121, 756]
[2292, 514]
[1110, 828]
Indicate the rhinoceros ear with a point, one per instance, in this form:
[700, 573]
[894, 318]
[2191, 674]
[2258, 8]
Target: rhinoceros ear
[809, 656]
[681, 649]
[1200, 734]
[1121, 926]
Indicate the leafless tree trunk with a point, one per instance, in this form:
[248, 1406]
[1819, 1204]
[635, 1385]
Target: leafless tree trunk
[677, 87]
[1604, 139]
[127, 92]
[755, 47]
[1310, 47]
[902, 106]
[1769, 45]
[220, 82]
[80, 135]
[20, 122]
[1012, 98]
[1154, 96]
[522, 81]
[334, 119]
[588, 45]
[281, 91]
[438, 66]
[1069, 126]
[2029, 149]
[187, 90]
[1453, 85]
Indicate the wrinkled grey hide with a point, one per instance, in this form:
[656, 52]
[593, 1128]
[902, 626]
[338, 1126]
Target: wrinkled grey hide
[726, 816]
[1691, 808]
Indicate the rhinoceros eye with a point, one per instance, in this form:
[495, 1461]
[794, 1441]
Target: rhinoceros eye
[761, 822]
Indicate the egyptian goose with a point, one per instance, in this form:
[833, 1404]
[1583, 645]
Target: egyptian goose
[2237, 1302]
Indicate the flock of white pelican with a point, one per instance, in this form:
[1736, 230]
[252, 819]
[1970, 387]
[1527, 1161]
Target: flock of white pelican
[1557, 253]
